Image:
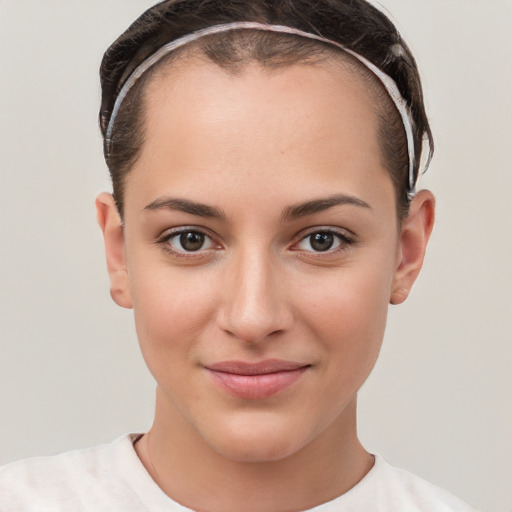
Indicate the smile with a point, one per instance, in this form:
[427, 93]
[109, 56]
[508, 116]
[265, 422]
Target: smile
[256, 381]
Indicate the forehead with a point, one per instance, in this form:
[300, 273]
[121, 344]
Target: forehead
[304, 125]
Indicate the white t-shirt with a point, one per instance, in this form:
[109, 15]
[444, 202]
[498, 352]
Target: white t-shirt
[111, 478]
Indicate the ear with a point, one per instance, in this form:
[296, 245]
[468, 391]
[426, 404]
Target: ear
[416, 229]
[113, 234]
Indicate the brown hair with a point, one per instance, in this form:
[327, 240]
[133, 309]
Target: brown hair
[353, 23]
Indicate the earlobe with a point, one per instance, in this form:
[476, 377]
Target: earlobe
[115, 251]
[399, 295]
[415, 233]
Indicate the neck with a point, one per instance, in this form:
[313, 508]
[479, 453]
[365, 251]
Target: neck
[194, 474]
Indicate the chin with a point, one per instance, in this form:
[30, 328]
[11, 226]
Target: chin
[256, 450]
[256, 441]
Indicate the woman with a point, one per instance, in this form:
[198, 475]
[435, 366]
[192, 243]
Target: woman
[264, 159]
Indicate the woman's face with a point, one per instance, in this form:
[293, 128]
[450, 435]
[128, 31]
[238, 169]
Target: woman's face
[262, 249]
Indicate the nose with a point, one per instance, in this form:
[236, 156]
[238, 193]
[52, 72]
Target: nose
[255, 304]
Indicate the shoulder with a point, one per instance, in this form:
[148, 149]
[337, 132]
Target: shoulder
[406, 491]
[72, 478]
[386, 488]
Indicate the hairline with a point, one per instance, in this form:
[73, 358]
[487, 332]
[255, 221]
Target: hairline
[379, 98]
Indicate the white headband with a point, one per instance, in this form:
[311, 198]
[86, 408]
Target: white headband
[386, 80]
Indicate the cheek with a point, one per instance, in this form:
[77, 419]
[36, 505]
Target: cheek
[172, 307]
[347, 312]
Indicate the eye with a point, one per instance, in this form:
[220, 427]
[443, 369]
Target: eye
[187, 241]
[324, 241]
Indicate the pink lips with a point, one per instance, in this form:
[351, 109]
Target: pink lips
[256, 380]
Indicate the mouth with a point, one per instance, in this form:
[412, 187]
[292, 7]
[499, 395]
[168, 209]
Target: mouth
[256, 381]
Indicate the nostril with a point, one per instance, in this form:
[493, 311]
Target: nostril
[252, 333]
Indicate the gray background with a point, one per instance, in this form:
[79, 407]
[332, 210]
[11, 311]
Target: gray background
[439, 401]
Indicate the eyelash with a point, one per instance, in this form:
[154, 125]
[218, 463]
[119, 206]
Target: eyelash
[344, 242]
[169, 235]
[343, 238]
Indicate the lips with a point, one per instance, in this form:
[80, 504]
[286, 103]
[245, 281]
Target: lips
[256, 380]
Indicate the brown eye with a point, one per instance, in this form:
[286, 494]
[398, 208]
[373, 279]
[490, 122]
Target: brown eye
[324, 241]
[321, 241]
[190, 241]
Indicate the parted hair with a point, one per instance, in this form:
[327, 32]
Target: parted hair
[355, 24]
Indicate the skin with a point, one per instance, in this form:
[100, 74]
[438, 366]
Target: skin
[253, 146]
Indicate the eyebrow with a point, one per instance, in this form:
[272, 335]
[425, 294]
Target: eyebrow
[299, 210]
[186, 206]
[292, 212]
